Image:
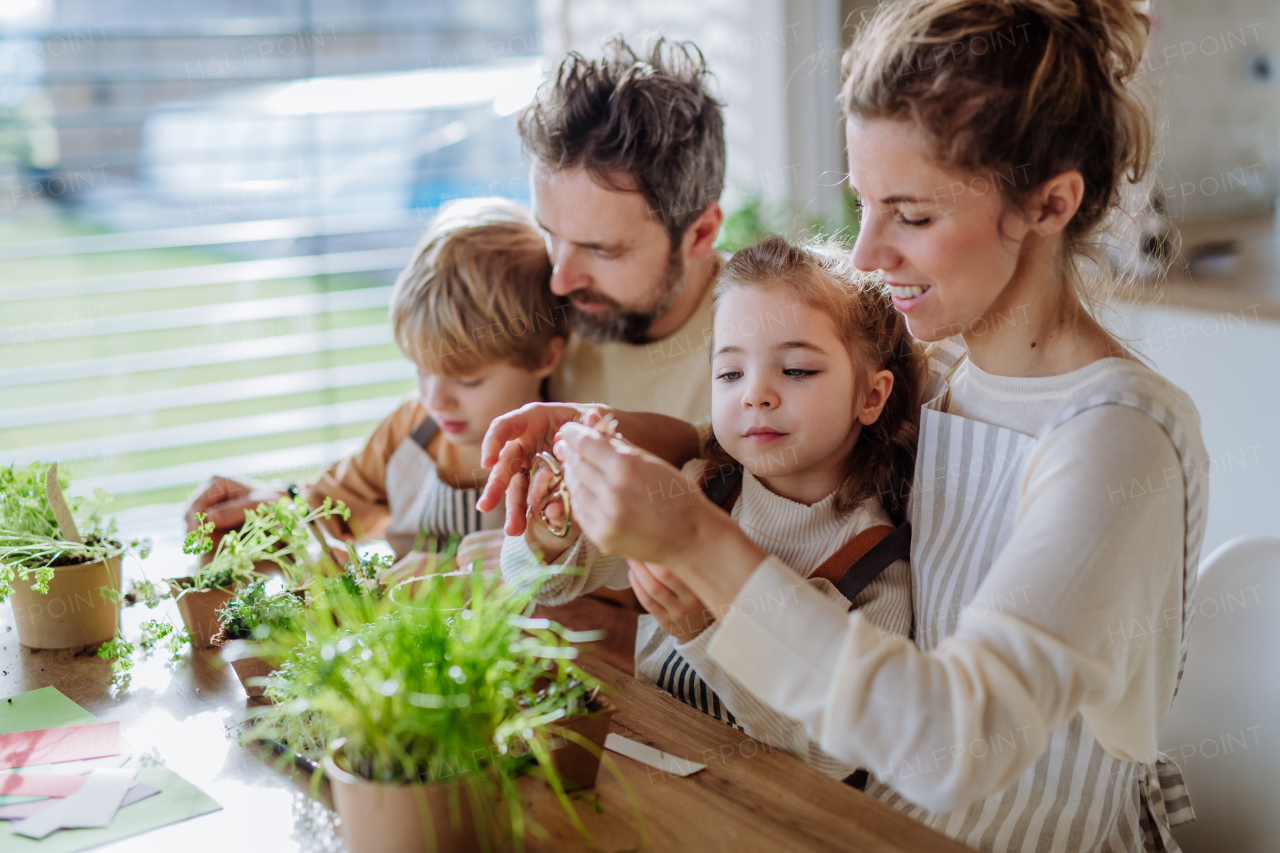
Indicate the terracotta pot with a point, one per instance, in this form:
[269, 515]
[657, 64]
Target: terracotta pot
[405, 818]
[200, 612]
[73, 614]
[577, 765]
[246, 668]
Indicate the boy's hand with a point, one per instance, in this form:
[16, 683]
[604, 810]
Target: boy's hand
[224, 500]
[679, 612]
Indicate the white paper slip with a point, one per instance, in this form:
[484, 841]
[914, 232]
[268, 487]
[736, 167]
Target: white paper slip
[94, 805]
[652, 757]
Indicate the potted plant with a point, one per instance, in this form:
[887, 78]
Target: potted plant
[277, 532]
[573, 720]
[421, 715]
[253, 614]
[58, 560]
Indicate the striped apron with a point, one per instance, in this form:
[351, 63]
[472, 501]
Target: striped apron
[423, 508]
[1076, 797]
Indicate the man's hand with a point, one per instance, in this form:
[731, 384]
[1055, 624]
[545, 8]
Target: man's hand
[224, 500]
[679, 612]
[509, 446]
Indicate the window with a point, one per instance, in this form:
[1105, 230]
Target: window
[203, 207]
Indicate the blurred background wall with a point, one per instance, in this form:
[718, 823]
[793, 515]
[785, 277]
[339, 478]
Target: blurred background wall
[203, 206]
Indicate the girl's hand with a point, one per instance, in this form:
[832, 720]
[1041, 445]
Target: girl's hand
[541, 540]
[679, 612]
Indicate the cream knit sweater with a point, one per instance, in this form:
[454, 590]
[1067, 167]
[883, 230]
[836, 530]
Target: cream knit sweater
[800, 536]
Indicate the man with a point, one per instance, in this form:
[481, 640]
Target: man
[628, 163]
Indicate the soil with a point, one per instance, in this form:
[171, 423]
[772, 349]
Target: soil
[108, 548]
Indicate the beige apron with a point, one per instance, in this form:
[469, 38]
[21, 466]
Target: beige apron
[1076, 797]
[424, 509]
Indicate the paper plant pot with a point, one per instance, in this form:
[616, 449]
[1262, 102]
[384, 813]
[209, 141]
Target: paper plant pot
[576, 765]
[379, 818]
[247, 668]
[200, 612]
[74, 613]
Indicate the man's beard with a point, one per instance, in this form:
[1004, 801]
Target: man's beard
[615, 323]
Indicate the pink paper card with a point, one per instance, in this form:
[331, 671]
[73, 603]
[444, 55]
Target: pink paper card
[67, 743]
[38, 785]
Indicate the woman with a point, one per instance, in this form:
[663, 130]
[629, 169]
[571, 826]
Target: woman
[990, 143]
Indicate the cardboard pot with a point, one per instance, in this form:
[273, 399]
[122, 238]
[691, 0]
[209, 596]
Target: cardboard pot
[577, 765]
[246, 668]
[405, 818]
[199, 611]
[73, 614]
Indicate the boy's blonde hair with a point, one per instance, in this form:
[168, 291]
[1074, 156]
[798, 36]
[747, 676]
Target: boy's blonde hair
[821, 275]
[478, 291]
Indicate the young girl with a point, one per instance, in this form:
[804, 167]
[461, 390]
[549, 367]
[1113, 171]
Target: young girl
[814, 408]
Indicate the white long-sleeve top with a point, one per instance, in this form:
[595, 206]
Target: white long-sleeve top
[1081, 613]
[802, 536]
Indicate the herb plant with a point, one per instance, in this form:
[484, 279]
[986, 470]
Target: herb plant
[31, 543]
[254, 615]
[278, 532]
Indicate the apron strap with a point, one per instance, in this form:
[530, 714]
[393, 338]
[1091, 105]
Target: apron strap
[722, 484]
[1168, 789]
[424, 432]
[861, 560]
[1164, 802]
[840, 563]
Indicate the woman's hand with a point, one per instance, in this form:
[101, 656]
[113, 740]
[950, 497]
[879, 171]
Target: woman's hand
[679, 612]
[628, 501]
[633, 503]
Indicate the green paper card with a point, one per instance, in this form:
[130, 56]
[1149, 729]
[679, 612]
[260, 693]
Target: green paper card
[178, 799]
[45, 708]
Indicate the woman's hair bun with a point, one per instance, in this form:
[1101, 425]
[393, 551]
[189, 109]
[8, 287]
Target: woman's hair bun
[1018, 90]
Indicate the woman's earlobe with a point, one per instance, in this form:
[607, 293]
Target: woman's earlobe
[1061, 197]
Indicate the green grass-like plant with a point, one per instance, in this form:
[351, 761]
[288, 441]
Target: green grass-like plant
[444, 680]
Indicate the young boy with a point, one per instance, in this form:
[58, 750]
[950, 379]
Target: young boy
[474, 311]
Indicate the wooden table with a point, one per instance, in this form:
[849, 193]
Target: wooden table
[749, 798]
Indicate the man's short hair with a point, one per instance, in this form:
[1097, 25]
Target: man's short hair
[478, 291]
[634, 124]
